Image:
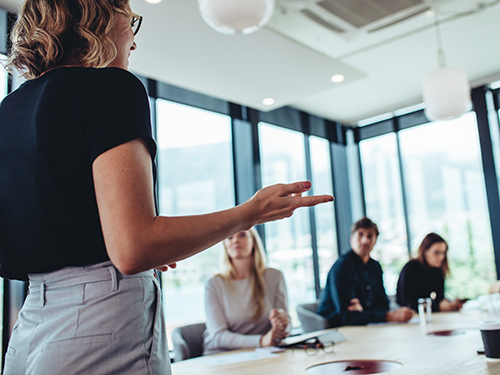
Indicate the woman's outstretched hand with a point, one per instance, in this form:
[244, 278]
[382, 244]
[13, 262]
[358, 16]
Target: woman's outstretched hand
[279, 201]
[137, 239]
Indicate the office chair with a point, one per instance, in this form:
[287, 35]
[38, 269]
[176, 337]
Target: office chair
[309, 319]
[188, 341]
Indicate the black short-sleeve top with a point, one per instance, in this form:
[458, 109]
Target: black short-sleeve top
[51, 130]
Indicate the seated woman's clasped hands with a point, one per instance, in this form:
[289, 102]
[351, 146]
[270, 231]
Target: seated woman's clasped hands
[279, 322]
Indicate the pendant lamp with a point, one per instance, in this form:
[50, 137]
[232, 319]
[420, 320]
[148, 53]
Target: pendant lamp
[445, 91]
[236, 16]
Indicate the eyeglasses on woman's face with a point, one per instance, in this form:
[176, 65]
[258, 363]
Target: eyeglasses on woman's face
[135, 23]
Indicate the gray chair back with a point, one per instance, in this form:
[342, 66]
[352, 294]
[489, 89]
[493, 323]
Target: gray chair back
[309, 319]
[188, 341]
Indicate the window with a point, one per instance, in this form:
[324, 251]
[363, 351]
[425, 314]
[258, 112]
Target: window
[493, 118]
[446, 194]
[324, 213]
[288, 241]
[195, 175]
[384, 204]
[3, 93]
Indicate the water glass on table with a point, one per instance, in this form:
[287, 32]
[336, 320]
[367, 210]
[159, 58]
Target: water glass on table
[425, 310]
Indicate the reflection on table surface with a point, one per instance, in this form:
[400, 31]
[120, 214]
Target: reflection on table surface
[408, 344]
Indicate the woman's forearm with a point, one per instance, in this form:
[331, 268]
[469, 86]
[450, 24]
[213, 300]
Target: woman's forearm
[136, 239]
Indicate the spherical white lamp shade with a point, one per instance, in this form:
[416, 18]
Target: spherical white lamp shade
[446, 94]
[236, 16]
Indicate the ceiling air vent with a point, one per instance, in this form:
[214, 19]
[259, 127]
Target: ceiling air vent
[361, 13]
[328, 24]
[391, 23]
[352, 19]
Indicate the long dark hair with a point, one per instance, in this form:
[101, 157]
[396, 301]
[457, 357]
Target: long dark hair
[429, 240]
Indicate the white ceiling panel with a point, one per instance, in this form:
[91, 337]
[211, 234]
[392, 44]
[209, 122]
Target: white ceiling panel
[293, 57]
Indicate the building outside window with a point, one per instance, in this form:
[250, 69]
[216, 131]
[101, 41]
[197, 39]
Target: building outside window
[446, 194]
[3, 93]
[494, 120]
[195, 176]
[288, 241]
[384, 204]
[322, 180]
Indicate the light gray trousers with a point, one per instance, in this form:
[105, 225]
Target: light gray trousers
[90, 320]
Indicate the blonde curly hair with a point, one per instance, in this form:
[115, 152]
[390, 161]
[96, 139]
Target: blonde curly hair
[51, 33]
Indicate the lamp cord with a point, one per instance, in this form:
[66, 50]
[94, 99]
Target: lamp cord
[440, 53]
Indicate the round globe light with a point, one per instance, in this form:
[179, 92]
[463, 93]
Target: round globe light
[236, 16]
[446, 94]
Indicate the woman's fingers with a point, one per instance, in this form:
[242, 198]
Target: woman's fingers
[279, 201]
[165, 267]
[296, 187]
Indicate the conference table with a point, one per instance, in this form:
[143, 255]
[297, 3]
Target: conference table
[448, 346]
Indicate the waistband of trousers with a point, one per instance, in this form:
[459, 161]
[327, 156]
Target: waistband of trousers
[71, 276]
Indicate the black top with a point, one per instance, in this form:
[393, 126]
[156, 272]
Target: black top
[419, 281]
[51, 130]
[350, 278]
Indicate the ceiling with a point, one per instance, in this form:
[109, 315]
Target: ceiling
[384, 52]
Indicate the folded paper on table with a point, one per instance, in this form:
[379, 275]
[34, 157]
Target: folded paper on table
[324, 336]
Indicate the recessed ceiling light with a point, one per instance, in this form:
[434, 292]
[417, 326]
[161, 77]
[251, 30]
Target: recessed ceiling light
[268, 101]
[338, 78]
[153, 1]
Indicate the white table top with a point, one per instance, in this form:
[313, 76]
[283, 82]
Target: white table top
[408, 344]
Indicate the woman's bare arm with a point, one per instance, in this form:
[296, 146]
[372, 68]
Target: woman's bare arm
[137, 240]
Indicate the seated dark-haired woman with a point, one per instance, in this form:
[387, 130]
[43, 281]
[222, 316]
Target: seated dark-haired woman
[424, 276]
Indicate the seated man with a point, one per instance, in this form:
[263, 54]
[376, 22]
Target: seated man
[354, 292]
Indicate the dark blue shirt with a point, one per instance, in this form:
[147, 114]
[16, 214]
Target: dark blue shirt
[350, 278]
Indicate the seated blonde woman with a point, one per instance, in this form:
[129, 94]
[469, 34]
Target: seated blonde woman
[246, 304]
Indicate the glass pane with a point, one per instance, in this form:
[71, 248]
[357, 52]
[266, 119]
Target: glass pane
[446, 194]
[324, 213]
[494, 120]
[3, 93]
[195, 175]
[288, 241]
[384, 204]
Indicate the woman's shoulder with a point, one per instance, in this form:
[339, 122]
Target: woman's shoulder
[273, 274]
[412, 265]
[273, 271]
[216, 282]
[117, 77]
[87, 72]
[215, 279]
[96, 81]
[115, 72]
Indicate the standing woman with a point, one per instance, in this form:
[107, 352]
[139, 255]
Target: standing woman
[424, 276]
[77, 211]
[246, 304]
